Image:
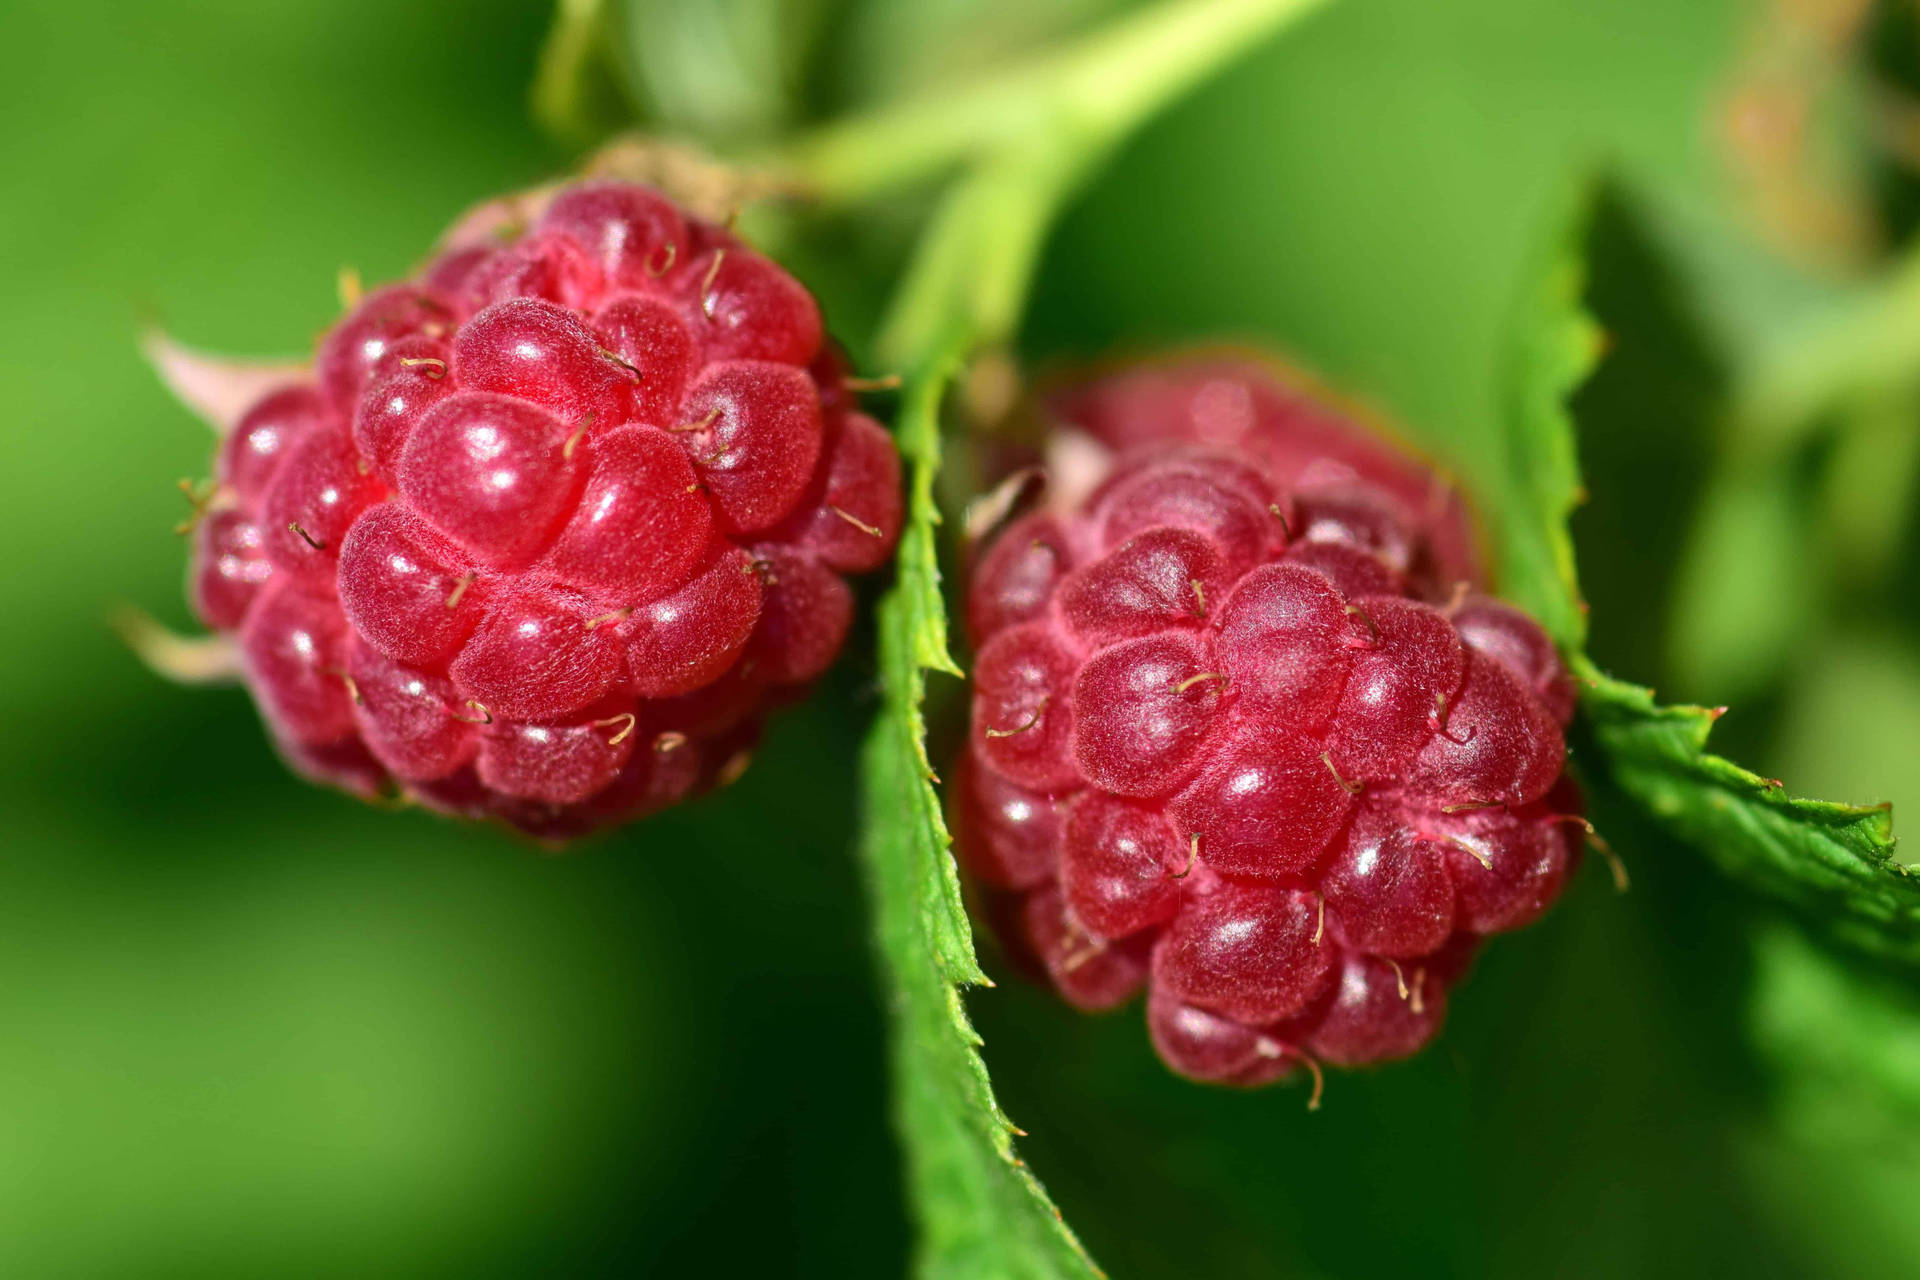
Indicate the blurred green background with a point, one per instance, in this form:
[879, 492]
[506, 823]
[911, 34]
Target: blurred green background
[248, 1028]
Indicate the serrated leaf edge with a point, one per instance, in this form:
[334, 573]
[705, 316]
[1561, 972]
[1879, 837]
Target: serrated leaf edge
[1558, 345]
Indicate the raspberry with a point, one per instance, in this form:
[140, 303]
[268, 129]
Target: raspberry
[551, 527]
[1244, 734]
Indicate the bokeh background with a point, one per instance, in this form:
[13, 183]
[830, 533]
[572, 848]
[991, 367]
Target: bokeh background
[248, 1028]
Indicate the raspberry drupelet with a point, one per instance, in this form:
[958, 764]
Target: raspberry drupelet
[1246, 734]
[552, 525]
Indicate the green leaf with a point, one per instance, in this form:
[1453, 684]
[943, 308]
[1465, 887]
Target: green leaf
[981, 1212]
[1553, 346]
[1834, 861]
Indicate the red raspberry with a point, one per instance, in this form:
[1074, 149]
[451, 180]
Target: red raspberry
[1245, 735]
[553, 524]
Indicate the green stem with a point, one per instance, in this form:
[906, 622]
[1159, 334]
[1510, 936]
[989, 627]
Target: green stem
[975, 259]
[1097, 90]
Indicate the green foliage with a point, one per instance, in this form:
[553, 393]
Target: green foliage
[1854, 1031]
[254, 1027]
[1829, 684]
[1021, 142]
[1833, 860]
[1843, 1043]
[982, 1214]
[1552, 345]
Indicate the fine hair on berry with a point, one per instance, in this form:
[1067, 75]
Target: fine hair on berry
[546, 530]
[1247, 732]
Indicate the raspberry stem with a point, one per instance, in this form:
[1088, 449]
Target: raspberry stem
[1098, 90]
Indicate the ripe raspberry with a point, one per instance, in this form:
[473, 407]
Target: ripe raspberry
[1244, 735]
[551, 526]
